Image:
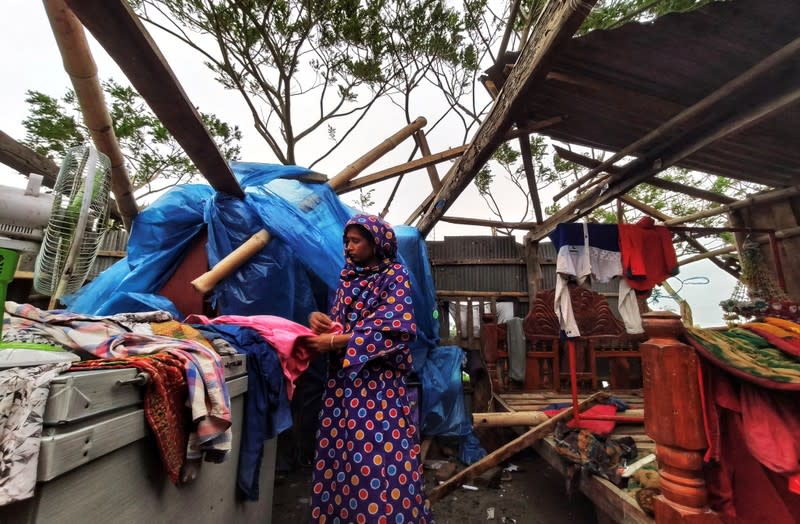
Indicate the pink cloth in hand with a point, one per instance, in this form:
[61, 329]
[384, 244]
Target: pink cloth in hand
[287, 337]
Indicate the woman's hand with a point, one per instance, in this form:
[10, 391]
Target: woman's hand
[322, 343]
[320, 323]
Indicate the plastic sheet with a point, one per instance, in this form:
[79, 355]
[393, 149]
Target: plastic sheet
[443, 411]
[296, 274]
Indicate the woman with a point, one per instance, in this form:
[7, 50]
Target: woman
[367, 467]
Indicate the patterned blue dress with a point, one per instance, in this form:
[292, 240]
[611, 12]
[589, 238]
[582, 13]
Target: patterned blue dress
[367, 467]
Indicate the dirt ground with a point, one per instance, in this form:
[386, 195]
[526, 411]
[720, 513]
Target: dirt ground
[533, 494]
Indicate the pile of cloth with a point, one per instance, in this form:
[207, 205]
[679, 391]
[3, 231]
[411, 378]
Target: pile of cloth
[183, 361]
[751, 404]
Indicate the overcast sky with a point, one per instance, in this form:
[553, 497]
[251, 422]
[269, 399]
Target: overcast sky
[31, 61]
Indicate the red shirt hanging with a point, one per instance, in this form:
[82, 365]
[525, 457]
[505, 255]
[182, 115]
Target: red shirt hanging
[648, 256]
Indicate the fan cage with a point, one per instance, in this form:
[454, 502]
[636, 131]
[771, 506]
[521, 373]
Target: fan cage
[68, 196]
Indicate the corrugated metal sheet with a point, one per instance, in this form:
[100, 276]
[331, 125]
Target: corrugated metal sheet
[115, 243]
[614, 86]
[479, 277]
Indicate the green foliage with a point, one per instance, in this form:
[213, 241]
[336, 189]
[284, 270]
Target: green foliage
[152, 154]
[608, 14]
[343, 54]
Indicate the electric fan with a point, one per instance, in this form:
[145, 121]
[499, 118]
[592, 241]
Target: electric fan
[76, 225]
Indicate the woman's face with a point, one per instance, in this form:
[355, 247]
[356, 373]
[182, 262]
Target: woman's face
[359, 248]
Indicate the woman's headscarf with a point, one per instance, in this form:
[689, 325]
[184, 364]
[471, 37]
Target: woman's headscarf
[374, 303]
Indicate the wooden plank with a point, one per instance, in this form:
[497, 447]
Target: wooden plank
[508, 450]
[110, 253]
[424, 148]
[484, 294]
[21, 158]
[477, 262]
[558, 22]
[487, 223]
[621, 507]
[530, 175]
[117, 28]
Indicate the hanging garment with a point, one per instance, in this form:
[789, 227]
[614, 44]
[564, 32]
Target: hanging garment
[23, 395]
[648, 256]
[266, 409]
[287, 337]
[515, 341]
[164, 402]
[590, 250]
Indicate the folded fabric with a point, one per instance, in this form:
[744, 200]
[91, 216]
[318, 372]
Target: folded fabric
[781, 338]
[748, 356]
[23, 396]
[79, 332]
[597, 427]
[288, 338]
[209, 401]
[164, 403]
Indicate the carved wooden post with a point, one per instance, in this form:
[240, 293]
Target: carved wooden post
[489, 342]
[674, 420]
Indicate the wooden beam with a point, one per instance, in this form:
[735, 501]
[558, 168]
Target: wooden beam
[481, 294]
[385, 174]
[117, 28]
[558, 23]
[763, 198]
[488, 223]
[476, 261]
[669, 185]
[351, 171]
[708, 254]
[508, 450]
[530, 175]
[422, 142]
[688, 143]
[658, 215]
[21, 158]
[696, 111]
[82, 71]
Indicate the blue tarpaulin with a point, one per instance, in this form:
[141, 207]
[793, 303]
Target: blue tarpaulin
[293, 276]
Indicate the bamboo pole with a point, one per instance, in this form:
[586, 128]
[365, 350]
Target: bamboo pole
[426, 161]
[727, 90]
[763, 198]
[516, 418]
[82, 71]
[370, 157]
[707, 254]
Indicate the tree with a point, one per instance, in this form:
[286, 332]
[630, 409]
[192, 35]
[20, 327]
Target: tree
[319, 67]
[156, 160]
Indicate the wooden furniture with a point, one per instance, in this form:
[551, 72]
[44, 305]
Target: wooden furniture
[602, 336]
[675, 421]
